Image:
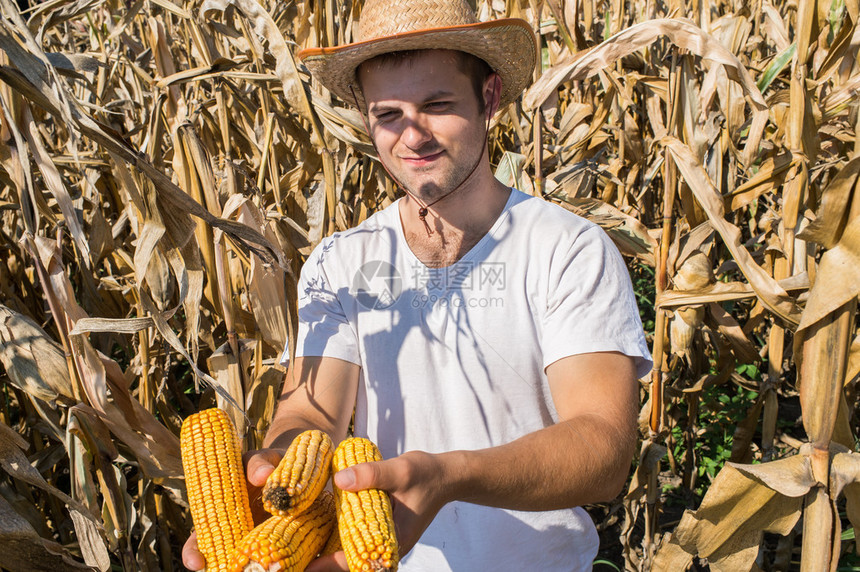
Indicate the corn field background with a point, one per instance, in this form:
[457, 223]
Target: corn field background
[165, 168]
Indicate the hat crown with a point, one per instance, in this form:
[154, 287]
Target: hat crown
[381, 18]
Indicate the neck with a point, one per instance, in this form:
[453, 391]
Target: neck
[457, 226]
[472, 208]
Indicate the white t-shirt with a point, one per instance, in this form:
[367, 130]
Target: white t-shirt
[454, 358]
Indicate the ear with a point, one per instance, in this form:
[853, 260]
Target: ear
[492, 94]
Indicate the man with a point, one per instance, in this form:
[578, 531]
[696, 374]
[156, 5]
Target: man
[488, 341]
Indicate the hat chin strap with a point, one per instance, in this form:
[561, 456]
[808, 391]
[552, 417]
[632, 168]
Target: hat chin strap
[422, 206]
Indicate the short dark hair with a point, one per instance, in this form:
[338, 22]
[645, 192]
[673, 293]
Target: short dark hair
[474, 67]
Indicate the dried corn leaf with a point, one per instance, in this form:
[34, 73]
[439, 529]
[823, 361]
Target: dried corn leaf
[13, 157]
[15, 463]
[92, 544]
[510, 170]
[285, 65]
[34, 362]
[118, 325]
[157, 451]
[25, 54]
[629, 235]
[177, 205]
[25, 551]
[770, 176]
[845, 479]
[766, 288]
[266, 285]
[742, 347]
[742, 503]
[86, 427]
[649, 464]
[774, 27]
[723, 292]
[835, 208]
[682, 33]
[838, 277]
[54, 182]
[57, 13]
[228, 371]
[263, 398]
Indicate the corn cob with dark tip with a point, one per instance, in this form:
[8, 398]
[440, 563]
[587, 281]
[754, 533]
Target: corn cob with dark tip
[215, 484]
[287, 543]
[364, 518]
[300, 476]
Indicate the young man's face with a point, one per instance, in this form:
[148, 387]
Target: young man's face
[425, 120]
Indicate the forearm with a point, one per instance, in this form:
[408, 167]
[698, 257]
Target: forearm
[284, 428]
[319, 393]
[581, 460]
[576, 462]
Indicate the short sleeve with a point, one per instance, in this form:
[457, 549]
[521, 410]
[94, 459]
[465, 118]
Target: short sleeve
[590, 306]
[324, 330]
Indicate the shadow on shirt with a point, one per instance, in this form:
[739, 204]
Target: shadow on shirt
[409, 326]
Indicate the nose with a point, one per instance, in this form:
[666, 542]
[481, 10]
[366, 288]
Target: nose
[415, 134]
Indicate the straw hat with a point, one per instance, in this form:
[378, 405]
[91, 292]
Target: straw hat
[507, 45]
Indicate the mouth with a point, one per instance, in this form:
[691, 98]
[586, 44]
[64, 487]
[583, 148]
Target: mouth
[423, 160]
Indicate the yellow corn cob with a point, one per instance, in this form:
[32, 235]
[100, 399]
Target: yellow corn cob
[364, 518]
[300, 476]
[287, 543]
[333, 544]
[215, 483]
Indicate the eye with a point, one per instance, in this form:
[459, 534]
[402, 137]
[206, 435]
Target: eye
[385, 115]
[441, 105]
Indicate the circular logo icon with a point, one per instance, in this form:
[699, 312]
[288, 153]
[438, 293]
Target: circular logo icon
[377, 285]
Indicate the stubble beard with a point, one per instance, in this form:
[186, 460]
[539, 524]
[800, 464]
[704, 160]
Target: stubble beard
[446, 182]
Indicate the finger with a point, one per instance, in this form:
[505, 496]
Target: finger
[260, 464]
[332, 563]
[192, 558]
[375, 475]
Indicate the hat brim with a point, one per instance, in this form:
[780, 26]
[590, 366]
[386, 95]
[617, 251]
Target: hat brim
[507, 45]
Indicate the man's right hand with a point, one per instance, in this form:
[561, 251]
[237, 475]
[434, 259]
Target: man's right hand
[258, 466]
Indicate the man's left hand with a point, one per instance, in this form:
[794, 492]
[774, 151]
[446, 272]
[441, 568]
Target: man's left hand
[416, 484]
